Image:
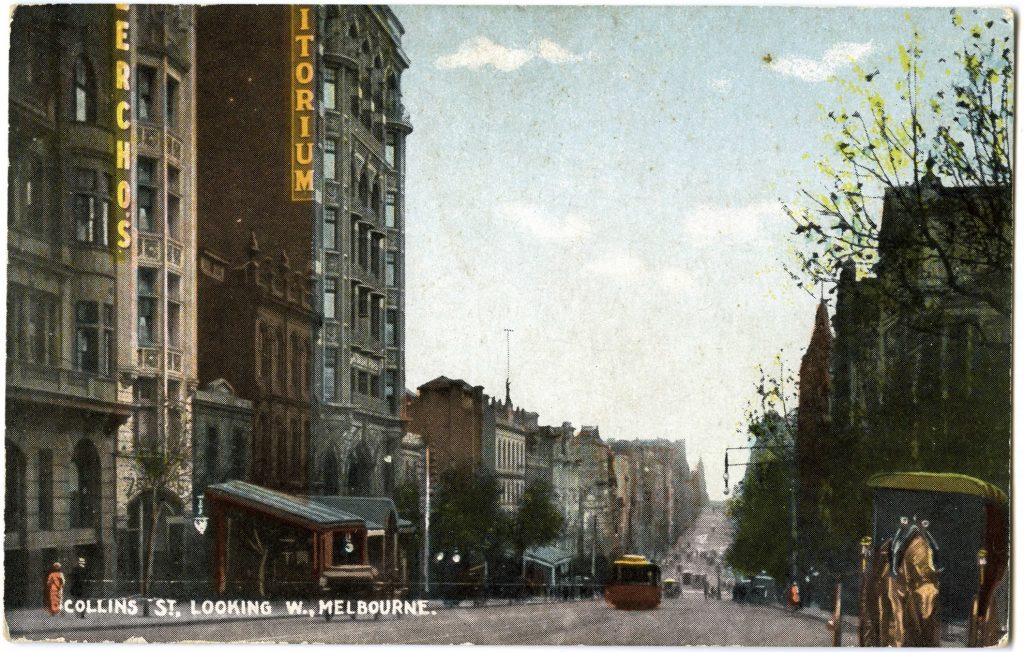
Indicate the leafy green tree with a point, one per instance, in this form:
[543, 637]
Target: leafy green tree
[466, 513]
[538, 521]
[955, 129]
[762, 507]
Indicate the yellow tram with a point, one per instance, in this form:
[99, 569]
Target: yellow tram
[635, 584]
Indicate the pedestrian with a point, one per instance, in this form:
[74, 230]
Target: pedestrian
[794, 597]
[54, 589]
[77, 581]
[705, 590]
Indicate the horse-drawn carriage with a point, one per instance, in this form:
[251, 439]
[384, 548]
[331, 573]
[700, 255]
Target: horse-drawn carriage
[938, 555]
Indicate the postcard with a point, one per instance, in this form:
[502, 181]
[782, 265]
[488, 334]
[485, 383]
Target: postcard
[542, 325]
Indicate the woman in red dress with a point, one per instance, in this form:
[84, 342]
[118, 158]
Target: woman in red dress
[55, 588]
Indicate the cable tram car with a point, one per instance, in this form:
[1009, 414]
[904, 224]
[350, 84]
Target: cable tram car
[635, 584]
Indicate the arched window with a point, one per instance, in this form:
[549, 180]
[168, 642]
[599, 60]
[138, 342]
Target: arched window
[14, 488]
[330, 474]
[84, 91]
[353, 31]
[375, 196]
[360, 472]
[85, 485]
[261, 451]
[280, 449]
[364, 186]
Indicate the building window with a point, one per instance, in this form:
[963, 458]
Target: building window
[146, 194]
[45, 489]
[296, 364]
[390, 219]
[390, 380]
[85, 486]
[390, 327]
[171, 102]
[212, 452]
[389, 150]
[330, 292]
[364, 382]
[282, 362]
[174, 324]
[87, 336]
[144, 92]
[147, 306]
[85, 92]
[390, 271]
[266, 353]
[330, 228]
[91, 206]
[173, 215]
[173, 285]
[330, 87]
[330, 380]
[330, 158]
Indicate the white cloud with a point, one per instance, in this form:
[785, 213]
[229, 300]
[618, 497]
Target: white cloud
[543, 225]
[816, 70]
[480, 51]
[721, 86]
[708, 223]
[554, 53]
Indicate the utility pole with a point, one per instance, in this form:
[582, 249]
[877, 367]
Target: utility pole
[791, 457]
[426, 526]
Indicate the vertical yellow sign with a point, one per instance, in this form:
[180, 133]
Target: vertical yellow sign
[123, 124]
[303, 102]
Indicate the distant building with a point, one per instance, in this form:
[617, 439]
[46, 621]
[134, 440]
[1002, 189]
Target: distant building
[504, 448]
[449, 415]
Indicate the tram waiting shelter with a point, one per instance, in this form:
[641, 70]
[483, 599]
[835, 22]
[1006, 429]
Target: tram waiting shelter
[273, 543]
[546, 565]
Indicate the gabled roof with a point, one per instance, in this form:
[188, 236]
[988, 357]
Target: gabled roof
[547, 555]
[443, 382]
[374, 511]
[273, 502]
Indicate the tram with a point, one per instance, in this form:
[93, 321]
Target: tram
[635, 584]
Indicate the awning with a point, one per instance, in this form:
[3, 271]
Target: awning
[549, 556]
[305, 510]
[949, 483]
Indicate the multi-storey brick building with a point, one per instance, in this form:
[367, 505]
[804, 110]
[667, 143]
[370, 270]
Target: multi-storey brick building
[101, 336]
[255, 323]
[348, 232]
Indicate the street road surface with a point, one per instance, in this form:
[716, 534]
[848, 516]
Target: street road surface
[688, 620]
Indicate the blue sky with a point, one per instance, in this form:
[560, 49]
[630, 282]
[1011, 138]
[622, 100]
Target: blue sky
[606, 182]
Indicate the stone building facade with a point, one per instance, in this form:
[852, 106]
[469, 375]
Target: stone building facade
[349, 235]
[101, 326]
[504, 448]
